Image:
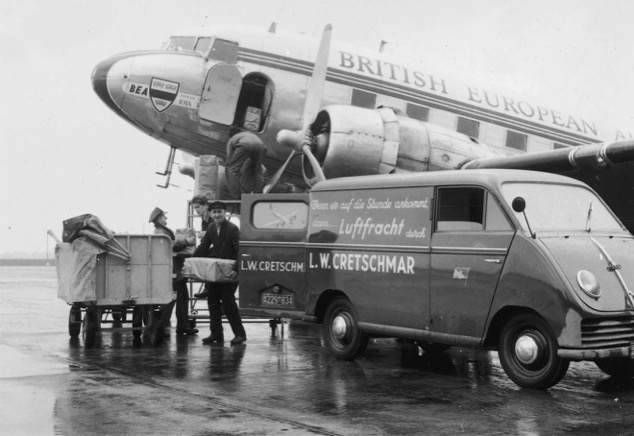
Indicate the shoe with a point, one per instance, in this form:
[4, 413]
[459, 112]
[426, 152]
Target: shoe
[211, 339]
[238, 340]
[202, 294]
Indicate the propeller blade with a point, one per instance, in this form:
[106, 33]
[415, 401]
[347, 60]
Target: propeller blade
[278, 173]
[314, 164]
[317, 79]
[315, 91]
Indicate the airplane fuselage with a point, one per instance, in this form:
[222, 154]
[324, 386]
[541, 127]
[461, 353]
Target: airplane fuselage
[188, 96]
[380, 114]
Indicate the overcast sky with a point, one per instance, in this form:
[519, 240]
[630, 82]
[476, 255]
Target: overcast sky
[65, 153]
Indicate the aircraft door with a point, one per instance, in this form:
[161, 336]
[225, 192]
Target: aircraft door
[220, 94]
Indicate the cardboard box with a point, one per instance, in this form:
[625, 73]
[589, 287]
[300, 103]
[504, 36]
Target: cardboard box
[207, 269]
[252, 119]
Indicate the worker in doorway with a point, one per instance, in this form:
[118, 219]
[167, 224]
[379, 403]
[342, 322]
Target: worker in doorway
[221, 241]
[244, 170]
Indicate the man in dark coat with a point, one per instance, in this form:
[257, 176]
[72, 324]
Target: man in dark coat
[243, 170]
[179, 283]
[221, 241]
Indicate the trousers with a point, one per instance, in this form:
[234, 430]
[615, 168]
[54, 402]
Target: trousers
[222, 296]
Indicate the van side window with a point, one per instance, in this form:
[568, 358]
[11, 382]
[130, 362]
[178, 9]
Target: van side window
[495, 218]
[460, 209]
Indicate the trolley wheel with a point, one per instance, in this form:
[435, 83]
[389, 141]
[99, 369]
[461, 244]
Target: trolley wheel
[342, 335]
[137, 322]
[74, 322]
[90, 327]
[528, 353]
[154, 330]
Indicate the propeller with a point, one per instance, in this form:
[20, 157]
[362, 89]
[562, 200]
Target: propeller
[300, 142]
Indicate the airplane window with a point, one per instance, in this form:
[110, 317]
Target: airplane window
[280, 215]
[363, 99]
[417, 112]
[468, 127]
[224, 51]
[460, 209]
[203, 44]
[180, 43]
[516, 140]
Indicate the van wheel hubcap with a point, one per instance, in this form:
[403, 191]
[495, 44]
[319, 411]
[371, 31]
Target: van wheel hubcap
[340, 327]
[526, 349]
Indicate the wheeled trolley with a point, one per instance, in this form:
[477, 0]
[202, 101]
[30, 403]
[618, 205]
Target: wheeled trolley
[115, 280]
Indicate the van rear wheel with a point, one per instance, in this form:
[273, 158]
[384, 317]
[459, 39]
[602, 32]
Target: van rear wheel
[528, 353]
[341, 333]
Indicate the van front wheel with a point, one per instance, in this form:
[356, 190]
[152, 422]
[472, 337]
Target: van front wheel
[528, 353]
[342, 335]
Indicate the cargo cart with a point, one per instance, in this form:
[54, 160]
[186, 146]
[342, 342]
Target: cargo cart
[200, 271]
[113, 279]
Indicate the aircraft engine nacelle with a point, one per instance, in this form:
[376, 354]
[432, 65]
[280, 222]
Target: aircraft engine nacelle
[353, 141]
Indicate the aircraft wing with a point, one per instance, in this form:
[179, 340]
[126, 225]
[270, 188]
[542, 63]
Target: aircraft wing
[607, 167]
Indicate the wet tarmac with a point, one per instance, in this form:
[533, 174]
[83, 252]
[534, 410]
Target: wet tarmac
[50, 384]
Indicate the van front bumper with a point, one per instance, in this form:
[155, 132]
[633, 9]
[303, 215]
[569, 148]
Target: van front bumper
[596, 354]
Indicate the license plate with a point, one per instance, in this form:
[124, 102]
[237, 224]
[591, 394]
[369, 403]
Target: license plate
[277, 300]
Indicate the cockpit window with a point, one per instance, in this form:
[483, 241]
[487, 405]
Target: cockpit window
[203, 44]
[223, 50]
[180, 43]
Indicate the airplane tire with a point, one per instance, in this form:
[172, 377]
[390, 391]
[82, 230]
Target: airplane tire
[342, 335]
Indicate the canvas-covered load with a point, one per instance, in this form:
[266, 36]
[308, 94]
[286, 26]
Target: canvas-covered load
[98, 267]
[208, 269]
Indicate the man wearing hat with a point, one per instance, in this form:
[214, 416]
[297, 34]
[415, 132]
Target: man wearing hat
[221, 241]
[179, 283]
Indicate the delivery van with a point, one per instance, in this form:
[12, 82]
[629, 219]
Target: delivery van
[532, 265]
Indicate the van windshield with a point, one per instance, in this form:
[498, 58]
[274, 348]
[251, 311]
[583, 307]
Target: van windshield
[560, 207]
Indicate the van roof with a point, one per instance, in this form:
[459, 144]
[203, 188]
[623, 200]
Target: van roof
[485, 177]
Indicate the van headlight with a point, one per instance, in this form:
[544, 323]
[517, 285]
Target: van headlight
[589, 283]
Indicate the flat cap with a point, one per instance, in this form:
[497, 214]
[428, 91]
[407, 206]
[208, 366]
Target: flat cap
[217, 205]
[157, 212]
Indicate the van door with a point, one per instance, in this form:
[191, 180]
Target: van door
[468, 249]
[273, 253]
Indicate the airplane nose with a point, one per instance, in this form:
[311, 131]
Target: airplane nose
[108, 78]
